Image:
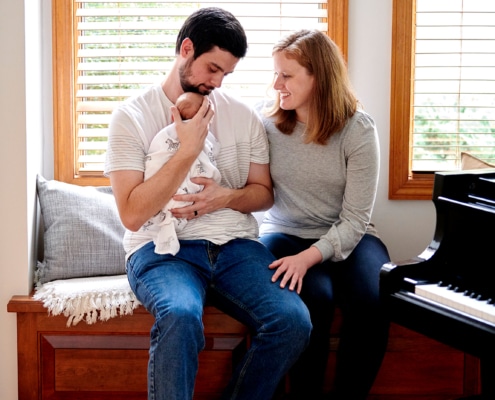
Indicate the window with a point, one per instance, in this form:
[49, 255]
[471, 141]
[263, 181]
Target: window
[105, 51]
[443, 92]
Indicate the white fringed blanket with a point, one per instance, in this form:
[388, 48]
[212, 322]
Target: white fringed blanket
[89, 299]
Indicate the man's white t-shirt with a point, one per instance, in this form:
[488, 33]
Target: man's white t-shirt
[242, 139]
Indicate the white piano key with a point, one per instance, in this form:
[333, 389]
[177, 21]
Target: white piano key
[457, 300]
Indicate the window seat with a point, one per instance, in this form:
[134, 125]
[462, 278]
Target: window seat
[108, 360]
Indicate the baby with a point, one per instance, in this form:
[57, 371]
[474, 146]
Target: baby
[162, 148]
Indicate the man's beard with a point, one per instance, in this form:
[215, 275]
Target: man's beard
[185, 74]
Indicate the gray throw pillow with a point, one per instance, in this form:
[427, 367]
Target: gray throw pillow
[82, 232]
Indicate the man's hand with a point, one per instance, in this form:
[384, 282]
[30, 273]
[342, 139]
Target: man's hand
[211, 198]
[257, 195]
[192, 134]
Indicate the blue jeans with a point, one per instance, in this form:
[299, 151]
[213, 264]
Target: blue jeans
[353, 285]
[236, 274]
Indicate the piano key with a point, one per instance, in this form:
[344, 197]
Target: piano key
[471, 306]
[457, 300]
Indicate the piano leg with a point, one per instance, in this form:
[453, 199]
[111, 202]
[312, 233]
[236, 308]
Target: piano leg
[487, 365]
[487, 372]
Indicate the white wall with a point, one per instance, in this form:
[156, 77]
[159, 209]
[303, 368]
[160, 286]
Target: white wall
[14, 210]
[405, 226]
[26, 131]
[21, 112]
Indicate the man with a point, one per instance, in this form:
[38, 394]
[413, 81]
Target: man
[219, 253]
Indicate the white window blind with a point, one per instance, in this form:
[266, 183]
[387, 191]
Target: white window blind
[124, 46]
[454, 83]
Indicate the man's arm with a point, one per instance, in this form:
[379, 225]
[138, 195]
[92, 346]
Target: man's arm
[138, 200]
[257, 195]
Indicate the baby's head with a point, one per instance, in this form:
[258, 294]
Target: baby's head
[188, 104]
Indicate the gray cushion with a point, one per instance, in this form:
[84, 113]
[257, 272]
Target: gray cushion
[82, 232]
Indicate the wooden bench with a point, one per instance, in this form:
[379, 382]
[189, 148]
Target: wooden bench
[108, 360]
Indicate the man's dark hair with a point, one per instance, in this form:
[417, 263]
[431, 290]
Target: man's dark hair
[210, 27]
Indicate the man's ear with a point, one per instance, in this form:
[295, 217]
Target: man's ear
[186, 48]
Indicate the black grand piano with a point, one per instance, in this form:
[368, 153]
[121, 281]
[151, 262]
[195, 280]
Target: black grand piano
[448, 292]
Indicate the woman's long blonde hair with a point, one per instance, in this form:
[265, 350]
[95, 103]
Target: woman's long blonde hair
[333, 100]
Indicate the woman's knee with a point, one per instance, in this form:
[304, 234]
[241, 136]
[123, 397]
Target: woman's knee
[371, 250]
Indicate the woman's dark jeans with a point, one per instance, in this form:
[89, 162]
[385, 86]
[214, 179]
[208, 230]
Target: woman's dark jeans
[353, 286]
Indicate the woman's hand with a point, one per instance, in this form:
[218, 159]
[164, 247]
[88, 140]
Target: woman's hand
[293, 268]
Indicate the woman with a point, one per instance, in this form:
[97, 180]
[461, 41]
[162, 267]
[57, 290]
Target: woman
[324, 161]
